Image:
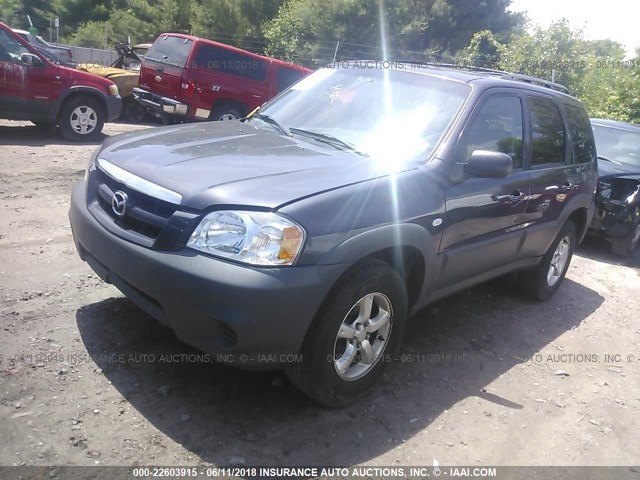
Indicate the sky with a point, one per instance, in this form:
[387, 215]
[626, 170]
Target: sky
[599, 19]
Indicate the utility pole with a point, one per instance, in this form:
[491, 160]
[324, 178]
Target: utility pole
[57, 24]
[50, 30]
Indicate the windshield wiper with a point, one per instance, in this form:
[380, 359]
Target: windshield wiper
[272, 121]
[329, 139]
[608, 160]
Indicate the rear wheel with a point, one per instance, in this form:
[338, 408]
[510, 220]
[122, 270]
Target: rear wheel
[81, 119]
[542, 281]
[349, 343]
[225, 113]
[624, 246]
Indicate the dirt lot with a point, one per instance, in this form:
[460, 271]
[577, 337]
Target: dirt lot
[87, 378]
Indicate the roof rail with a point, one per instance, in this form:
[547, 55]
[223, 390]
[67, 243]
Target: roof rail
[537, 81]
[506, 75]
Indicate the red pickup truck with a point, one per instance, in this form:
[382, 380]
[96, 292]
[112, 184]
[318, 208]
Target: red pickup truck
[50, 95]
[189, 78]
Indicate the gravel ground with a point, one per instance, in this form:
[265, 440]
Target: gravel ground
[484, 377]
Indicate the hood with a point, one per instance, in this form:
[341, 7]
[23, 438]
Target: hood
[234, 163]
[612, 169]
[80, 77]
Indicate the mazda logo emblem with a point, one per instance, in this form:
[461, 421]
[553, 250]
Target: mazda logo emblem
[119, 203]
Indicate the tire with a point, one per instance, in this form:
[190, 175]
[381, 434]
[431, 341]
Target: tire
[81, 119]
[317, 374]
[540, 282]
[625, 246]
[225, 113]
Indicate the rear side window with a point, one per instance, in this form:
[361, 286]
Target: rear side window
[584, 149]
[497, 127]
[547, 132]
[170, 51]
[287, 77]
[223, 60]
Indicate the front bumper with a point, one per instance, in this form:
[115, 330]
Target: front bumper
[612, 221]
[159, 104]
[254, 317]
[114, 107]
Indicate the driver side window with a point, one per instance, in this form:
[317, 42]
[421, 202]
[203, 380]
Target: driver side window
[497, 127]
[10, 49]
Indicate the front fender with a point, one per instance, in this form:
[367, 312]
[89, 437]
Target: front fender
[73, 90]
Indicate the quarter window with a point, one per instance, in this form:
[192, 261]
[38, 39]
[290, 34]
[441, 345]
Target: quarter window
[497, 127]
[547, 133]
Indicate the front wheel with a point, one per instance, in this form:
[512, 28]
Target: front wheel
[351, 340]
[81, 119]
[540, 282]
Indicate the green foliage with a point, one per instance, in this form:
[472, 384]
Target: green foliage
[555, 53]
[285, 34]
[417, 29]
[484, 50]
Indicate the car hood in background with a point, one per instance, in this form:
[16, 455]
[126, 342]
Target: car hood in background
[234, 163]
[613, 169]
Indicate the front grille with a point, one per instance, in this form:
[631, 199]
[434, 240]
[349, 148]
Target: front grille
[144, 215]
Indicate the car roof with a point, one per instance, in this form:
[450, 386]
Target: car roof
[632, 127]
[481, 77]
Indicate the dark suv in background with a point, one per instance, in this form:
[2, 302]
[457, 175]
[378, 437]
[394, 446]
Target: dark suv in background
[617, 201]
[338, 210]
[187, 78]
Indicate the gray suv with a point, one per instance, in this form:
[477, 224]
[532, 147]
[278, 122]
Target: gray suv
[305, 236]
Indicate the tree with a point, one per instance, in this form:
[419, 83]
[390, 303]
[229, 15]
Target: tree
[414, 29]
[484, 50]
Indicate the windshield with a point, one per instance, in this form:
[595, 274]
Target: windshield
[618, 144]
[391, 115]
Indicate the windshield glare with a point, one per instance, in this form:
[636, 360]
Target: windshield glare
[391, 115]
[617, 144]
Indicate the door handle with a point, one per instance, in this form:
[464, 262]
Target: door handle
[516, 195]
[567, 186]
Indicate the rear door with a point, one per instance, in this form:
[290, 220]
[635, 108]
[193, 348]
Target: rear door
[484, 215]
[164, 64]
[555, 178]
[223, 74]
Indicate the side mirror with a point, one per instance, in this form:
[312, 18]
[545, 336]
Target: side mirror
[488, 164]
[30, 60]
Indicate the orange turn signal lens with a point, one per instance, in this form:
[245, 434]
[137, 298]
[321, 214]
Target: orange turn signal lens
[290, 243]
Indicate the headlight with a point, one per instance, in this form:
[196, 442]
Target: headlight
[257, 238]
[113, 90]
